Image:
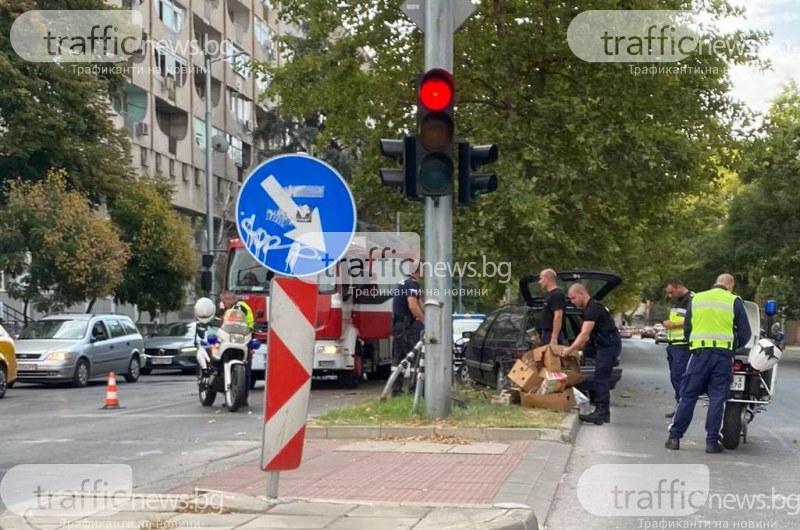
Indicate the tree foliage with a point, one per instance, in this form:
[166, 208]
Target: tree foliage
[58, 249]
[162, 259]
[51, 116]
[597, 165]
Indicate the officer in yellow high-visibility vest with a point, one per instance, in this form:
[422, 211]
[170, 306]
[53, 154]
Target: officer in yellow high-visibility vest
[678, 348]
[715, 326]
[229, 301]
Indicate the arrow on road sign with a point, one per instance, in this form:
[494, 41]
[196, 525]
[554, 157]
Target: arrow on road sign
[307, 226]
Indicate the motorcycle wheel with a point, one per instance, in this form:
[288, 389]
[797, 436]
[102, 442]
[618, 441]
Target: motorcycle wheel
[234, 396]
[732, 425]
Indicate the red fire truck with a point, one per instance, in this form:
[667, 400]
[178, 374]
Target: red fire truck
[354, 322]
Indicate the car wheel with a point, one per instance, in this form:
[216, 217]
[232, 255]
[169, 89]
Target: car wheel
[132, 375]
[81, 377]
[3, 381]
[463, 375]
[148, 371]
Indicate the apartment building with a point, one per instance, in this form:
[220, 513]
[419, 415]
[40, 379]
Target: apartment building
[163, 106]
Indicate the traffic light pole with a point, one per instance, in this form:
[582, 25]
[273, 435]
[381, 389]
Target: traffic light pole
[439, 29]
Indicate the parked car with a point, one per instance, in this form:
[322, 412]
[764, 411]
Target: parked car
[79, 347]
[625, 332]
[648, 332]
[8, 362]
[507, 333]
[171, 347]
[661, 335]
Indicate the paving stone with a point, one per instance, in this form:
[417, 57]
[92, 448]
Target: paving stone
[310, 522]
[406, 432]
[191, 520]
[343, 432]
[371, 446]
[373, 523]
[387, 512]
[480, 448]
[449, 517]
[509, 435]
[316, 432]
[424, 447]
[464, 433]
[311, 508]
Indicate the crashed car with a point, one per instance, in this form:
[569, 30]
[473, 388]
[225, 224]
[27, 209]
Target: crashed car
[508, 333]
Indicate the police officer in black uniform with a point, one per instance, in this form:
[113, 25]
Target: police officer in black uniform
[600, 330]
[408, 320]
[554, 304]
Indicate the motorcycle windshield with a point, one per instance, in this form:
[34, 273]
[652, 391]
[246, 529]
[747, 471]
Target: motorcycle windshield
[235, 322]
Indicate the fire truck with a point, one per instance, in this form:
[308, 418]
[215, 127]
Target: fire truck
[353, 322]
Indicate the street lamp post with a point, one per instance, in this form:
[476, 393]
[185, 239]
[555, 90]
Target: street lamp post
[209, 177]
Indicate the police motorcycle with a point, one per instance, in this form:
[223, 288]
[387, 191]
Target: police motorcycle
[755, 374]
[222, 346]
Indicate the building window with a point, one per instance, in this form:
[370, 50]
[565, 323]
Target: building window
[2, 284]
[158, 161]
[185, 172]
[264, 37]
[239, 63]
[171, 14]
[144, 156]
[170, 65]
[197, 176]
[172, 171]
[241, 108]
[235, 149]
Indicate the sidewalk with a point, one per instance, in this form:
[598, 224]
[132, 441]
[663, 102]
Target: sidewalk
[350, 484]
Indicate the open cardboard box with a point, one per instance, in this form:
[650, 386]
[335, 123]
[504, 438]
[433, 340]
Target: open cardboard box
[558, 401]
[528, 372]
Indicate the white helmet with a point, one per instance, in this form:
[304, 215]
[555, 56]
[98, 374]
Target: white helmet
[764, 355]
[204, 310]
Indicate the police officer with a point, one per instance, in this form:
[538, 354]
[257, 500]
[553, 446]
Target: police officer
[599, 329]
[229, 301]
[716, 325]
[408, 320]
[678, 348]
[554, 304]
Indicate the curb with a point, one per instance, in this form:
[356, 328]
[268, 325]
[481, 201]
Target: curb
[516, 517]
[566, 432]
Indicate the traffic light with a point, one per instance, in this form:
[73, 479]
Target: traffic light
[471, 183]
[402, 178]
[205, 281]
[435, 134]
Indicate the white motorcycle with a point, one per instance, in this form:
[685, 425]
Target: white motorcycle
[222, 349]
[755, 375]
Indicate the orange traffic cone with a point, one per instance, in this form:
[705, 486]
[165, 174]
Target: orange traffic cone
[112, 399]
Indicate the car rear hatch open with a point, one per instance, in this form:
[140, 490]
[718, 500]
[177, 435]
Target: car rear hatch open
[598, 283]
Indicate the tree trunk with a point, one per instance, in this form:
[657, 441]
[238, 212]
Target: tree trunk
[91, 305]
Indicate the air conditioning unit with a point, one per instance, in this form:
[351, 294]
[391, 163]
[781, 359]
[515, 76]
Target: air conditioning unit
[238, 85]
[169, 83]
[171, 94]
[140, 128]
[248, 125]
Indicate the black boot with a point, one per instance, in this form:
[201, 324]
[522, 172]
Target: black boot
[598, 416]
[673, 443]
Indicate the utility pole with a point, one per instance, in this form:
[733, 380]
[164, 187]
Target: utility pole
[438, 239]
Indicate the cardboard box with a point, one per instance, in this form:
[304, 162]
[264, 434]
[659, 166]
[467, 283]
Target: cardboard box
[572, 367]
[548, 355]
[559, 401]
[525, 375]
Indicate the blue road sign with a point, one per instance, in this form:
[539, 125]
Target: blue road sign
[296, 215]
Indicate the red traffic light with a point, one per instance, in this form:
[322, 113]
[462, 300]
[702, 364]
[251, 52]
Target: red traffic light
[436, 90]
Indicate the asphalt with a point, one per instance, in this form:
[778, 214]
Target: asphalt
[399, 483]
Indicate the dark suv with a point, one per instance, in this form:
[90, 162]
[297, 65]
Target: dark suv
[506, 333]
